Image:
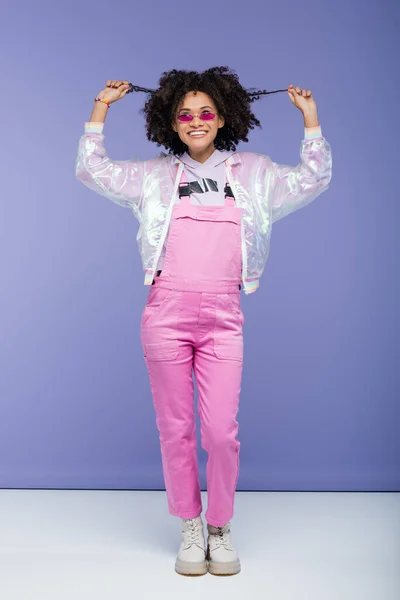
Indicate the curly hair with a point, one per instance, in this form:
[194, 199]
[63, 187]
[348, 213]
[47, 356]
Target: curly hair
[222, 85]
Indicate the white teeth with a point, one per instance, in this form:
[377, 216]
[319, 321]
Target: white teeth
[197, 133]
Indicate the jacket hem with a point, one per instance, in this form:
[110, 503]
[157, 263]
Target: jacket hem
[251, 286]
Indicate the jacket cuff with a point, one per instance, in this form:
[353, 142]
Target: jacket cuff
[312, 133]
[94, 127]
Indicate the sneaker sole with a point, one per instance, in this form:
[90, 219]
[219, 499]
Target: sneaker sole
[189, 568]
[215, 568]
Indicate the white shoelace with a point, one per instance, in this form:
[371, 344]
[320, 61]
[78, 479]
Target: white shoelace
[193, 531]
[221, 537]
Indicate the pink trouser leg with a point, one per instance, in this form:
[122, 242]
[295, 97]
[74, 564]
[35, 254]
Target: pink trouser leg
[219, 382]
[182, 331]
[173, 397]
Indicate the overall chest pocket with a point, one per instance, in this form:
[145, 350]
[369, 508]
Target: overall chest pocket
[217, 214]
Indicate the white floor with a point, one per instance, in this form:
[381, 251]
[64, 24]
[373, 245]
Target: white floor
[95, 545]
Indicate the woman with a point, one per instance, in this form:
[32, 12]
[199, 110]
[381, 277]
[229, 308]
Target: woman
[205, 213]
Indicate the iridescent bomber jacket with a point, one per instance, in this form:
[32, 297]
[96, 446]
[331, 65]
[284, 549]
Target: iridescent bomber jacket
[264, 191]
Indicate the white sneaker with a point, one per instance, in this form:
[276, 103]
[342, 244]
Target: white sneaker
[191, 559]
[221, 555]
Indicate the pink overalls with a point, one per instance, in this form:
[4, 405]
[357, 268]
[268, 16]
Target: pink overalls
[193, 320]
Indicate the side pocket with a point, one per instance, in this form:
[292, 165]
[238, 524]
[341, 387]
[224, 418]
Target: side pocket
[234, 303]
[163, 351]
[157, 297]
[228, 351]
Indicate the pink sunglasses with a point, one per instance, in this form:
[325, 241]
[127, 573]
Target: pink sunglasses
[186, 118]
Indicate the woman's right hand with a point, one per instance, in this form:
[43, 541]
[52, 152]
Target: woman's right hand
[114, 90]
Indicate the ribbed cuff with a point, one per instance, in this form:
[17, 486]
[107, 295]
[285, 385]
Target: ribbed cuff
[94, 127]
[311, 133]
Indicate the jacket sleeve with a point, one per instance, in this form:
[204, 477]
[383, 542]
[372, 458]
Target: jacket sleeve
[295, 187]
[119, 180]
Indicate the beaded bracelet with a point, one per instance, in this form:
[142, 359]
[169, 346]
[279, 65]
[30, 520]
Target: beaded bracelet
[101, 100]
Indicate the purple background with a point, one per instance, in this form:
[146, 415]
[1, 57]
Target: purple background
[320, 396]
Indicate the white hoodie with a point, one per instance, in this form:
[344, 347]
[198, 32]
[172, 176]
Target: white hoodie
[213, 168]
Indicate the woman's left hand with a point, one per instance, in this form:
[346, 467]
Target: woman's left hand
[302, 98]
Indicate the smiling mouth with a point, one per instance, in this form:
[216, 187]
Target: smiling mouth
[196, 135]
